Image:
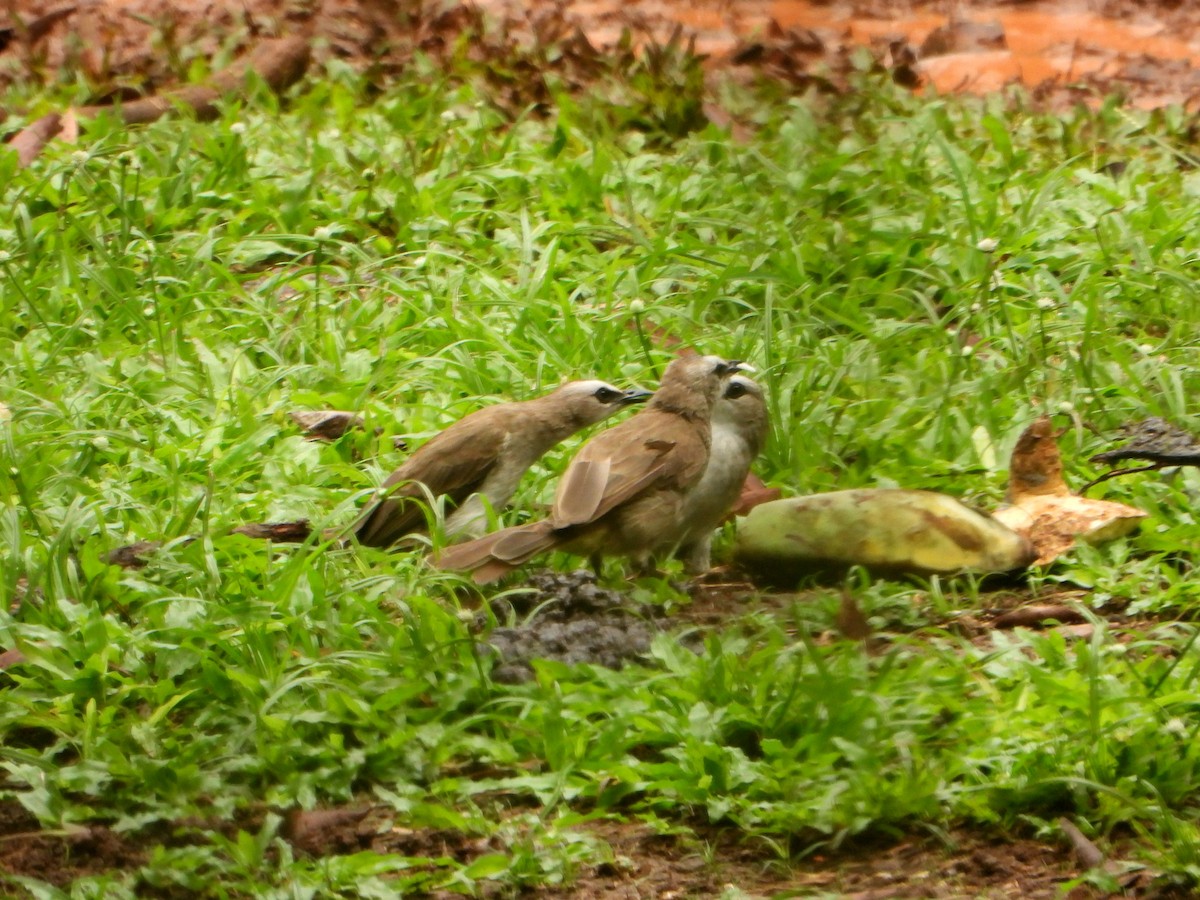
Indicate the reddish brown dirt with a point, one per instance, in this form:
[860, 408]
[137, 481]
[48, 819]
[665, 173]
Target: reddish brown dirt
[645, 864]
[963, 865]
[1064, 50]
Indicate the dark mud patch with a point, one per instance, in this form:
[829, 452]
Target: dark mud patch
[60, 857]
[568, 617]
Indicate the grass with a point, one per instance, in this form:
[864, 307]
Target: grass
[167, 296]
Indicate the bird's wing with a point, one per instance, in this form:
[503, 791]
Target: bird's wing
[609, 470]
[454, 463]
[581, 490]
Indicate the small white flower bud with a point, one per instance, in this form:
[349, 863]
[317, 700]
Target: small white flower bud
[637, 307]
[237, 128]
[987, 245]
[1045, 303]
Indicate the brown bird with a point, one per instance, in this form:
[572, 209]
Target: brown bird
[623, 492]
[484, 455]
[739, 430]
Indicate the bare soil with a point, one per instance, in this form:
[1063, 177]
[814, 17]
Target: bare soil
[646, 864]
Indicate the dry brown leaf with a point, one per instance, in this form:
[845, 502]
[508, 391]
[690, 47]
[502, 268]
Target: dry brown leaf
[11, 658]
[277, 532]
[851, 621]
[1041, 507]
[70, 127]
[1035, 614]
[754, 492]
[327, 424]
[131, 556]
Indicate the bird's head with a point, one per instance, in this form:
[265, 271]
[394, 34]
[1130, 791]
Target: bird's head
[588, 402]
[743, 408]
[692, 384]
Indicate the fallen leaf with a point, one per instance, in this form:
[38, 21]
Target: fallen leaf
[131, 556]
[326, 425]
[1041, 507]
[70, 128]
[11, 658]
[851, 621]
[754, 493]
[1035, 614]
[279, 532]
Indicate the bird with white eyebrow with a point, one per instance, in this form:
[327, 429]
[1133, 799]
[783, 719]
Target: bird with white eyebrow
[739, 431]
[623, 492]
[483, 455]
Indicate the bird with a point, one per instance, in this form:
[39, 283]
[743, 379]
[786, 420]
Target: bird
[739, 431]
[622, 493]
[483, 455]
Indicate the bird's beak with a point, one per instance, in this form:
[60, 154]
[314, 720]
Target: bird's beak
[636, 395]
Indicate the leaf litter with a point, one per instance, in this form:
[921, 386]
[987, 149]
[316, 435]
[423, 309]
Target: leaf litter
[1041, 507]
[1062, 52]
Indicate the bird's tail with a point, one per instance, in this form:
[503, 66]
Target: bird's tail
[495, 555]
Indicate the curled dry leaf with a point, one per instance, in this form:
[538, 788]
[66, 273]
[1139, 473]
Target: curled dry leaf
[278, 532]
[1035, 614]
[11, 658]
[1041, 507]
[131, 556]
[851, 620]
[326, 425]
[69, 132]
[754, 493]
[887, 531]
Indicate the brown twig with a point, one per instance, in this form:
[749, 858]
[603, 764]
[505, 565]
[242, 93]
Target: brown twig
[1088, 854]
[1117, 472]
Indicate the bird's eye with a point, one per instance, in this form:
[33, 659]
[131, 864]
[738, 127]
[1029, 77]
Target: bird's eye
[735, 390]
[607, 394]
